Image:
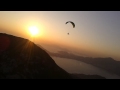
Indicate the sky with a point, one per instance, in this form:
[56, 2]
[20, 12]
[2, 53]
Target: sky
[96, 32]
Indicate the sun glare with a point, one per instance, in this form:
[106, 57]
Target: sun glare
[33, 30]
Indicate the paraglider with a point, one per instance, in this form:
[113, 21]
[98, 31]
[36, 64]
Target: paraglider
[71, 23]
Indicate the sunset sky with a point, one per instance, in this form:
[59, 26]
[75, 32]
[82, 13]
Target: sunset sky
[96, 32]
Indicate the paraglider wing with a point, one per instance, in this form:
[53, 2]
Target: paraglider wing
[71, 23]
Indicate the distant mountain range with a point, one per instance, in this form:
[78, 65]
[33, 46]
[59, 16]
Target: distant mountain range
[22, 59]
[107, 64]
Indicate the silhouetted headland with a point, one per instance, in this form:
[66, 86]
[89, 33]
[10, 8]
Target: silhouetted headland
[22, 59]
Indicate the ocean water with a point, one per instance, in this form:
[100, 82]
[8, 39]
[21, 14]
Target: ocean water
[74, 66]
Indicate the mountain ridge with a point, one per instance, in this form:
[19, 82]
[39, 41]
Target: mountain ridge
[20, 58]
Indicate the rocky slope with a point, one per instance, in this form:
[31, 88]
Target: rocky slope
[22, 59]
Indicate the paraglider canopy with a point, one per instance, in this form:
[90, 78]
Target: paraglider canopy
[71, 23]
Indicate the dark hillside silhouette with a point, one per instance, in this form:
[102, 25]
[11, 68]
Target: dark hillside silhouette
[20, 58]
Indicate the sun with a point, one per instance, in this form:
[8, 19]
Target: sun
[33, 30]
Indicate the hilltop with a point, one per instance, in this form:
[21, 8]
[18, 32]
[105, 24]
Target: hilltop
[22, 59]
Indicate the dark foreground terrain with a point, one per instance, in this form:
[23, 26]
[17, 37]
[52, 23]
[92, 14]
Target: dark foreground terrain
[82, 76]
[22, 59]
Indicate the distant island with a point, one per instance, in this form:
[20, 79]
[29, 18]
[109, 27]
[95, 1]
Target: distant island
[107, 64]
